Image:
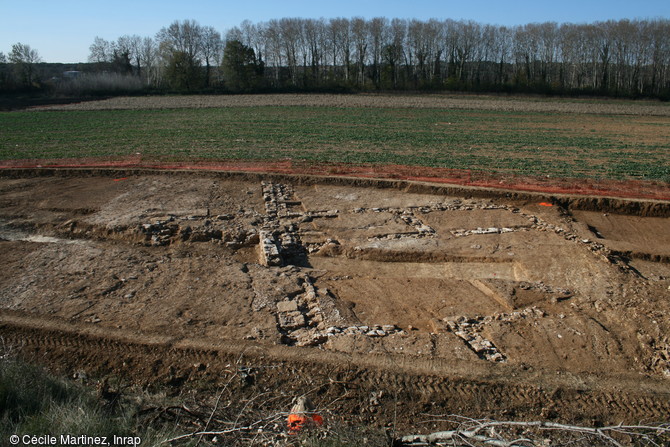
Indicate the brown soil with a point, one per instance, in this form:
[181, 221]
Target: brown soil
[500, 183]
[445, 299]
[443, 101]
[628, 129]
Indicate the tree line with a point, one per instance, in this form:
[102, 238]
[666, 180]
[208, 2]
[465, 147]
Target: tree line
[618, 58]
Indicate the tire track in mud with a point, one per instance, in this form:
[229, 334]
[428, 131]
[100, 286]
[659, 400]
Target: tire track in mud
[583, 402]
[164, 360]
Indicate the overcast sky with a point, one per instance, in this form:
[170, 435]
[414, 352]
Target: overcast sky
[63, 30]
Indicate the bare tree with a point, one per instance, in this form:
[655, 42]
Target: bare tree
[394, 50]
[212, 48]
[274, 44]
[100, 50]
[235, 33]
[379, 38]
[580, 58]
[134, 43]
[292, 39]
[123, 54]
[503, 53]
[24, 58]
[659, 30]
[339, 31]
[417, 49]
[184, 37]
[252, 36]
[525, 52]
[466, 37]
[181, 46]
[359, 33]
[548, 49]
[315, 42]
[148, 59]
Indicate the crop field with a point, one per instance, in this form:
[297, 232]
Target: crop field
[587, 140]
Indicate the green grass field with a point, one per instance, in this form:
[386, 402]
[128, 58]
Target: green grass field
[521, 143]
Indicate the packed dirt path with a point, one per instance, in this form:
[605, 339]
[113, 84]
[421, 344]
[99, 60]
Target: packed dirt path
[381, 298]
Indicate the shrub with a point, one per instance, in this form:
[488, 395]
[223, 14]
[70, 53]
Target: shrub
[32, 402]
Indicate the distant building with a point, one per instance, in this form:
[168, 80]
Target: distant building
[71, 74]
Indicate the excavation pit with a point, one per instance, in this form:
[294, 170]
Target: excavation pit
[302, 272]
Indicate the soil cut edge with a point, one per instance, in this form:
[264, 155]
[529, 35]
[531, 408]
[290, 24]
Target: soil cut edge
[642, 207]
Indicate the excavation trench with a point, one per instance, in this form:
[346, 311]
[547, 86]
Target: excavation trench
[447, 300]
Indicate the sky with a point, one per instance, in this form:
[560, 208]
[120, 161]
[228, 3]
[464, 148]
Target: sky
[63, 30]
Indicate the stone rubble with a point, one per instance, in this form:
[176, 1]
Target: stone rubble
[269, 252]
[160, 232]
[317, 247]
[542, 287]
[469, 331]
[276, 197]
[281, 238]
[536, 223]
[661, 356]
[411, 220]
[302, 320]
[406, 215]
[278, 238]
[492, 230]
[170, 229]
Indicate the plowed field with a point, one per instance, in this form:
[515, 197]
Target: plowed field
[465, 102]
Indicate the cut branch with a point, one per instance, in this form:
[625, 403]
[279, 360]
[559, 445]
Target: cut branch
[470, 431]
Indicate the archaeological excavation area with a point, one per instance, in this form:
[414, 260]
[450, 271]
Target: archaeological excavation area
[375, 296]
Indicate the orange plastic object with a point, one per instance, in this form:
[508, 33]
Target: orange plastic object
[297, 422]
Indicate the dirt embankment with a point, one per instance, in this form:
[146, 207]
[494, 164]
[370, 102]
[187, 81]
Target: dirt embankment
[619, 205]
[374, 297]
